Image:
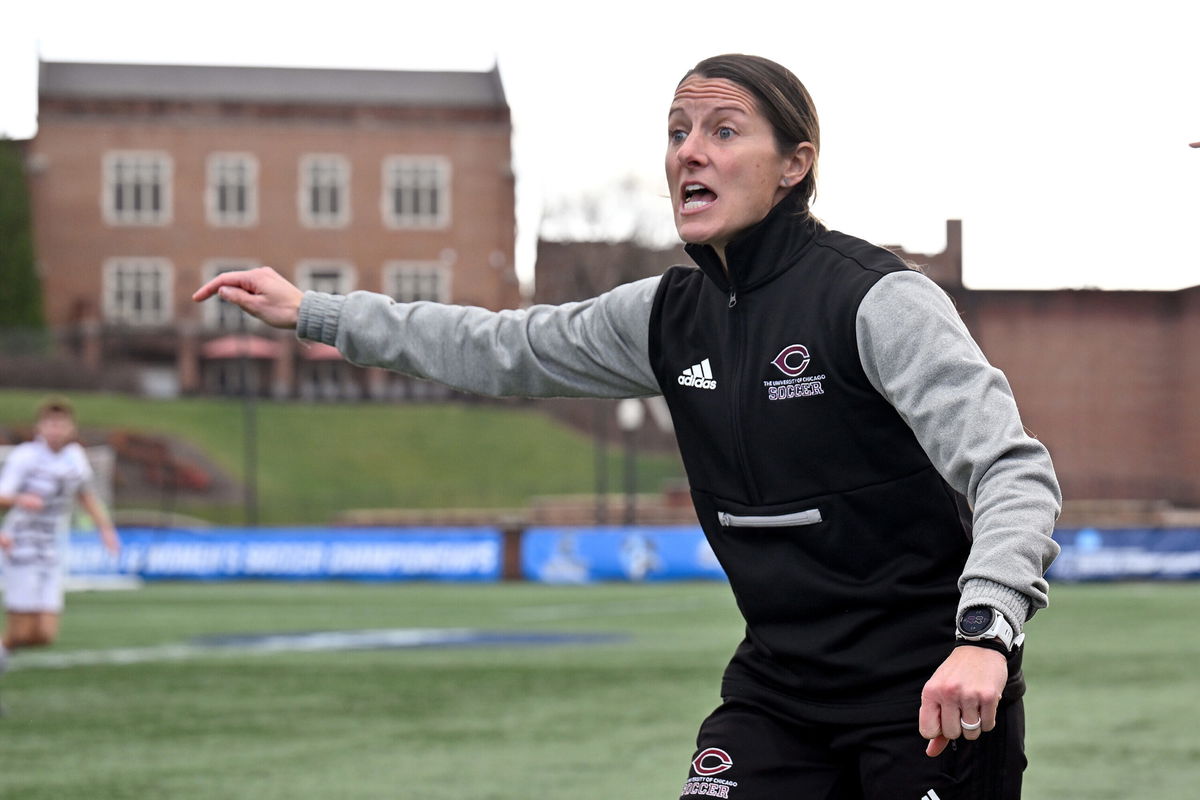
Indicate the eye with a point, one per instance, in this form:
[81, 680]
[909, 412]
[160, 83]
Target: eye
[726, 133]
[677, 136]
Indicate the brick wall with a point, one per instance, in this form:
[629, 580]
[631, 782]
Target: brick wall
[1110, 381]
[73, 240]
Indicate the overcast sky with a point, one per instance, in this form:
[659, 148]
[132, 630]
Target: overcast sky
[1057, 131]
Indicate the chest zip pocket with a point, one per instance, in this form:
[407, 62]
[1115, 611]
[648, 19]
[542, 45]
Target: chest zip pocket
[810, 517]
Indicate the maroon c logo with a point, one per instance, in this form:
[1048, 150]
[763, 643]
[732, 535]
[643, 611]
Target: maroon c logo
[712, 761]
[797, 350]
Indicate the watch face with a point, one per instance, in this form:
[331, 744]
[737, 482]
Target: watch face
[975, 621]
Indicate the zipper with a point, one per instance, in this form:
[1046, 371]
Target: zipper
[737, 325]
[808, 517]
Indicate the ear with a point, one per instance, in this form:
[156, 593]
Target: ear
[798, 164]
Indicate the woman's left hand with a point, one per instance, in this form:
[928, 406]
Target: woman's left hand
[966, 687]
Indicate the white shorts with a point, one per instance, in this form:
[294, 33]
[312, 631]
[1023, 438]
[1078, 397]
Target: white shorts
[33, 589]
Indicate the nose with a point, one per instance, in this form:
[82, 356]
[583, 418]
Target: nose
[692, 153]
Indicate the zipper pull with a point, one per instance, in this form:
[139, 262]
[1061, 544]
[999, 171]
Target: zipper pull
[732, 298]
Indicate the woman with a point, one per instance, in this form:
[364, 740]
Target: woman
[859, 469]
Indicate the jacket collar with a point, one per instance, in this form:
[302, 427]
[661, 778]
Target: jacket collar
[761, 252]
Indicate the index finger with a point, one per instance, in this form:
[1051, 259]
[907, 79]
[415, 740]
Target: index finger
[241, 279]
[929, 719]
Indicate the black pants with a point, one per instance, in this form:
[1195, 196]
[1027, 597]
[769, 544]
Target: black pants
[746, 752]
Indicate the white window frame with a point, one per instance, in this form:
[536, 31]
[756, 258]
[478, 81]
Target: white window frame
[347, 280]
[394, 272]
[393, 166]
[216, 167]
[220, 315]
[341, 167]
[120, 310]
[115, 161]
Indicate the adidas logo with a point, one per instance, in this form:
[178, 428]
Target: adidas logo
[698, 376]
[930, 795]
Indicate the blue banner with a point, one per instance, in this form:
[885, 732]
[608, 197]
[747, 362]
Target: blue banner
[554, 555]
[1091, 554]
[581, 555]
[467, 554]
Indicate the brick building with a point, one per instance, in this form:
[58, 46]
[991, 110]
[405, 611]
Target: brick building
[147, 180]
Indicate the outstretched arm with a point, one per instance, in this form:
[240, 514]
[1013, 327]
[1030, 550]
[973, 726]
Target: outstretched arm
[595, 348]
[262, 293]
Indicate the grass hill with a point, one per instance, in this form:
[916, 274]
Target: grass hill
[314, 460]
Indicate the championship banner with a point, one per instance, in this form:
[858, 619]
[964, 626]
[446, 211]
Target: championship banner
[581, 555]
[466, 554]
[1091, 554]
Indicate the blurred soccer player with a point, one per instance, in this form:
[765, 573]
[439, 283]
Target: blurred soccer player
[39, 482]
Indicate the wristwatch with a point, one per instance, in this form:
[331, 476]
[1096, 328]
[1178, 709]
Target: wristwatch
[979, 623]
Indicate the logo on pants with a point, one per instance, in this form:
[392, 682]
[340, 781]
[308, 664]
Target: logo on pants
[712, 761]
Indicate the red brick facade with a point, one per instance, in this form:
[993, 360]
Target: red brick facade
[1110, 381]
[87, 113]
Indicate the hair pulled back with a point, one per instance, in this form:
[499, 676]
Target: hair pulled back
[782, 99]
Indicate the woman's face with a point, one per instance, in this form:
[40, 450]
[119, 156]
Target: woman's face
[723, 165]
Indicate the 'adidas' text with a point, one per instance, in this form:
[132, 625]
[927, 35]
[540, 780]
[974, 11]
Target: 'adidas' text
[698, 376]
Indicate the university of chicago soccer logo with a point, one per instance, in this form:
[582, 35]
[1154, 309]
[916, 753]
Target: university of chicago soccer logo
[792, 360]
[712, 761]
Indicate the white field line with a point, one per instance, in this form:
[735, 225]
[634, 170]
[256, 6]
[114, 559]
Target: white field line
[264, 645]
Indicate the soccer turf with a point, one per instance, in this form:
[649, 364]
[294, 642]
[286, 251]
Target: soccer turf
[1113, 689]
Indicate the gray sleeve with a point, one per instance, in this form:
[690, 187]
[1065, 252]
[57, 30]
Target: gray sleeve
[918, 354]
[594, 348]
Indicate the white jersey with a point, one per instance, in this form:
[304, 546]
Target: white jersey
[55, 477]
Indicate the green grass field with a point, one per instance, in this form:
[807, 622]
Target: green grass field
[1112, 673]
[316, 459]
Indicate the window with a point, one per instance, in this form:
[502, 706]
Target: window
[324, 191]
[232, 196]
[138, 291]
[416, 192]
[334, 277]
[137, 188]
[409, 281]
[218, 313]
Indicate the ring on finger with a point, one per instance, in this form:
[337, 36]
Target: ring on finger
[970, 726]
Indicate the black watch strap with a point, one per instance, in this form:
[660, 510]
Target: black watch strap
[990, 644]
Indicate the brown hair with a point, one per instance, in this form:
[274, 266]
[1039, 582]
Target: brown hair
[782, 99]
[55, 405]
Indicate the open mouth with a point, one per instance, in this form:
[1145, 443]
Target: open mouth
[696, 196]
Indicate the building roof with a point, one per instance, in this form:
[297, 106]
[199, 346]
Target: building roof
[272, 84]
